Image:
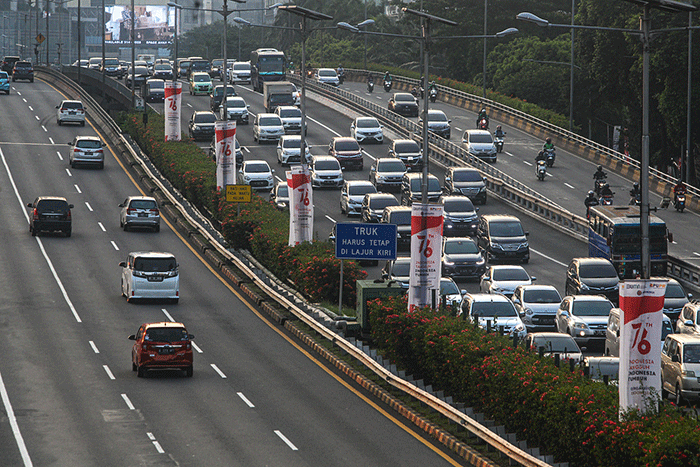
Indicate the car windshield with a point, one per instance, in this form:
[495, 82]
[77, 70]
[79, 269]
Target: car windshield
[347, 145]
[111, 62]
[230, 91]
[156, 84]
[327, 73]
[466, 176]
[491, 309]
[155, 264]
[72, 106]
[241, 66]
[205, 117]
[406, 147]
[55, 205]
[290, 113]
[162, 66]
[3, 75]
[561, 343]
[326, 165]
[142, 204]
[201, 78]
[283, 190]
[235, 103]
[408, 98]
[461, 247]
[480, 138]
[675, 291]
[592, 308]
[597, 271]
[217, 62]
[270, 121]
[166, 335]
[691, 353]
[382, 201]
[437, 117]
[506, 229]
[433, 184]
[394, 165]
[401, 268]
[510, 274]
[541, 296]
[360, 190]
[367, 123]
[141, 70]
[458, 205]
[448, 287]
[400, 218]
[88, 143]
[257, 168]
[184, 65]
[293, 143]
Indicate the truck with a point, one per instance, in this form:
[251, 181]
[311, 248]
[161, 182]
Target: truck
[277, 93]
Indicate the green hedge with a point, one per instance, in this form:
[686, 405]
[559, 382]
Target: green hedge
[260, 227]
[564, 413]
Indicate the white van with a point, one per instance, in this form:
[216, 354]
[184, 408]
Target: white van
[150, 274]
[612, 334]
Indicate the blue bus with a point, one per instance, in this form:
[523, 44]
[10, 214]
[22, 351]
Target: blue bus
[266, 65]
[614, 233]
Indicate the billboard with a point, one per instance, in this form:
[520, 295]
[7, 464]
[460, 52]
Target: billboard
[154, 24]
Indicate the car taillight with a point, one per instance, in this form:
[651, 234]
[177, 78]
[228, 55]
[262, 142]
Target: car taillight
[130, 211]
[36, 214]
[68, 216]
[154, 212]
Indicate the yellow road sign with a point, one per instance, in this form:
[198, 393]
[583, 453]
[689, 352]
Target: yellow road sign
[238, 193]
[40, 38]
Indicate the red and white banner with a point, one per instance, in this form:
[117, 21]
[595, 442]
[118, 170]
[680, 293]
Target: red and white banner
[173, 100]
[641, 322]
[301, 205]
[225, 153]
[426, 256]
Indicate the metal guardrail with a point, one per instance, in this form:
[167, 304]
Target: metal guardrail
[548, 128]
[492, 439]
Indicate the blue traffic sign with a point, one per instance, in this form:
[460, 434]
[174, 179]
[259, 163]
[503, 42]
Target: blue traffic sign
[365, 241]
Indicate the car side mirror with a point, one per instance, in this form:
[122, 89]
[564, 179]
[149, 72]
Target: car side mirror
[533, 278]
[476, 209]
[688, 323]
[70, 206]
[617, 333]
[132, 337]
[516, 300]
[564, 313]
[272, 170]
[527, 234]
[30, 205]
[190, 336]
[120, 205]
[675, 359]
[690, 295]
[485, 278]
[57, 106]
[449, 121]
[385, 275]
[122, 264]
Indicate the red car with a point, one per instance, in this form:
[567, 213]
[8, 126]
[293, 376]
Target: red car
[347, 150]
[161, 346]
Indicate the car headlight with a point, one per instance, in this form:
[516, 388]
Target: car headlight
[246, 178]
[584, 286]
[496, 246]
[519, 328]
[381, 177]
[528, 311]
[580, 325]
[480, 261]
[689, 374]
[447, 262]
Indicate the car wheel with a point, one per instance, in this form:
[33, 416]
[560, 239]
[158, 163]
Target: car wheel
[57, 121]
[102, 165]
[31, 80]
[664, 392]
[140, 372]
[176, 300]
[32, 230]
[68, 232]
[679, 398]
[526, 260]
[72, 164]
[157, 228]
[125, 227]
[133, 366]
[82, 123]
[189, 371]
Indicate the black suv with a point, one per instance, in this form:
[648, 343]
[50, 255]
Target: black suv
[466, 181]
[50, 214]
[23, 70]
[8, 63]
[401, 217]
[411, 186]
[217, 96]
[501, 237]
[592, 276]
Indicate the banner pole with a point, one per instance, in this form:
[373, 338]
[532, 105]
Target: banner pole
[340, 293]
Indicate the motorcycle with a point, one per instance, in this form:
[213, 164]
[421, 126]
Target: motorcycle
[541, 170]
[433, 95]
[483, 124]
[498, 142]
[387, 85]
[635, 198]
[679, 201]
[549, 153]
[416, 90]
[599, 183]
[370, 86]
[606, 200]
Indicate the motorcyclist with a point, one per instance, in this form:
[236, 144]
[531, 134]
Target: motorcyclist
[599, 174]
[482, 116]
[679, 188]
[499, 133]
[432, 86]
[548, 145]
[605, 191]
[387, 77]
[370, 79]
[541, 156]
[590, 200]
[635, 192]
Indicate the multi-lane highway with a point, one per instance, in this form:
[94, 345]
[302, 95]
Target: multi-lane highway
[69, 396]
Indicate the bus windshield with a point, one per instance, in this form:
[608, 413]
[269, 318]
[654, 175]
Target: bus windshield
[626, 239]
[271, 64]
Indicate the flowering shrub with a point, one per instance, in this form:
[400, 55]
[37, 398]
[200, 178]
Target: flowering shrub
[564, 413]
[259, 227]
